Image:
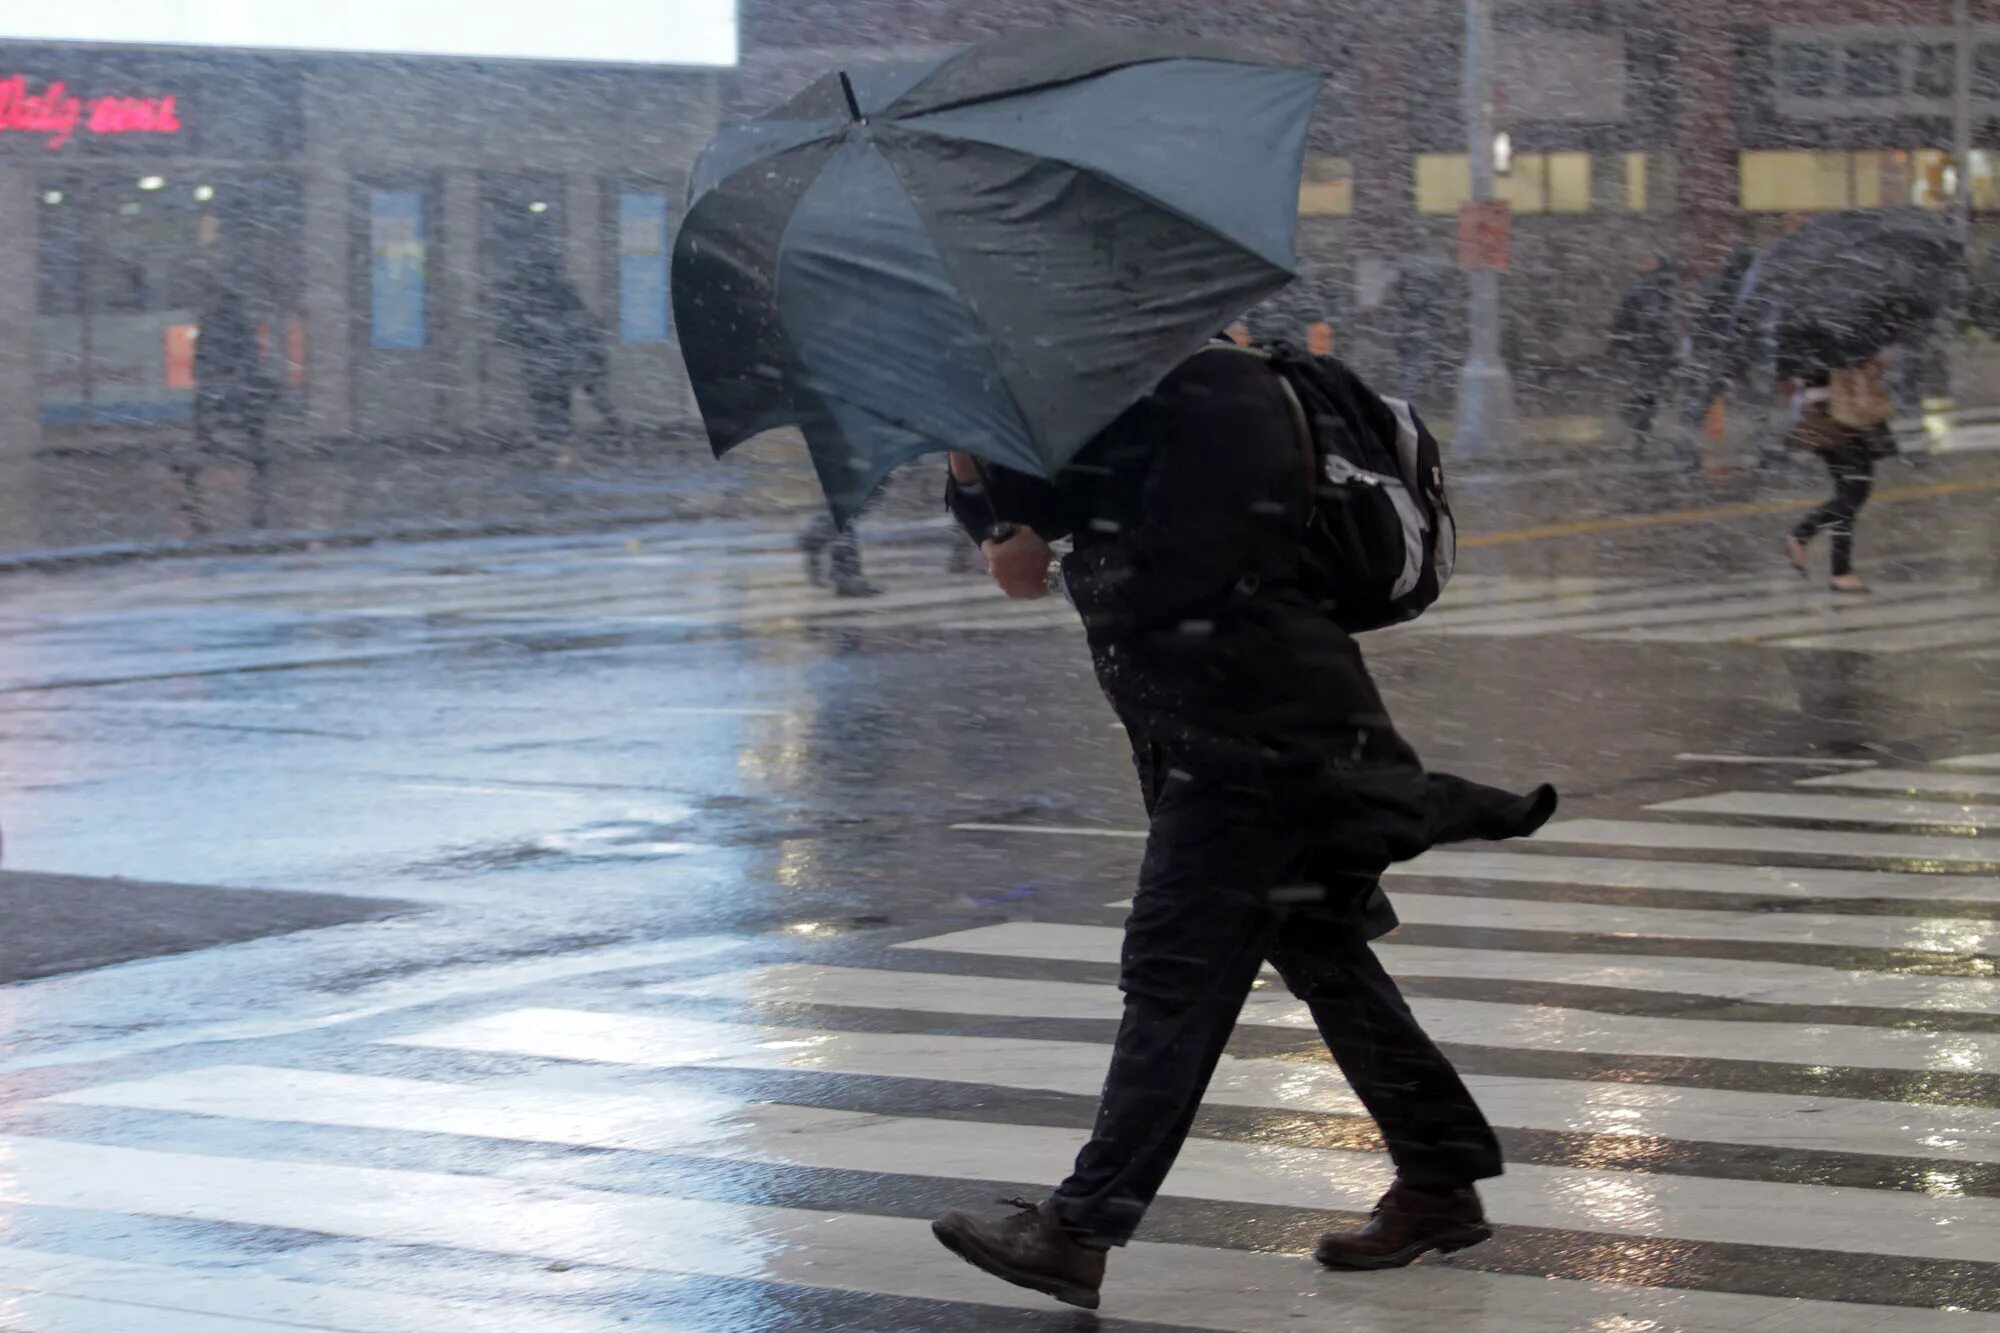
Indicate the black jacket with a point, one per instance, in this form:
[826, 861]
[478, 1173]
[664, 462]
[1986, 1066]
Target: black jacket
[1187, 514]
[1642, 329]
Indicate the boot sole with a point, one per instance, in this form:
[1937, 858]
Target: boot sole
[1069, 1293]
[1449, 1243]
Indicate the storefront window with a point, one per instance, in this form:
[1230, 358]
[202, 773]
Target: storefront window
[1536, 183]
[642, 268]
[1791, 181]
[128, 262]
[397, 251]
[1569, 182]
[1795, 181]
[1636, 182]
[1327, 189]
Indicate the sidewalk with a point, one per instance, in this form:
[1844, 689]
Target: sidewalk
[61, 509]
[72, 508]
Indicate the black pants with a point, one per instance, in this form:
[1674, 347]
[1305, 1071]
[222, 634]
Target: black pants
[1641, 404]
[1227, 884]
[841, 544]
[1852, 467]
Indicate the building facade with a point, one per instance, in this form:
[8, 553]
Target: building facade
[1638, 130]
[368, 213]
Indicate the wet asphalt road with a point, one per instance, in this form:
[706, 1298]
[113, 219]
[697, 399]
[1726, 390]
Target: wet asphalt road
[687, 936]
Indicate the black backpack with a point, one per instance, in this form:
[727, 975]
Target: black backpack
[1380, 541]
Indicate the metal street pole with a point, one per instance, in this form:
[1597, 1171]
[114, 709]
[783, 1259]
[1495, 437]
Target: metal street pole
[1961, 118]
[1957, 367]
[1487, 426]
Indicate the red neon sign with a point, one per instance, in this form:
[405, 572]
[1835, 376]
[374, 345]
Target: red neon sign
[58, 113]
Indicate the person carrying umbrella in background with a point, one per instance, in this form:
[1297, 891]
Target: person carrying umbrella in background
[1823, 305]
[1844, 418]
[1833, 294]
[1020, 253]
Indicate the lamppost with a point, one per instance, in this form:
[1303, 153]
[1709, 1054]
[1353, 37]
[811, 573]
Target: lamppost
[1487, 425]
[1961, 120]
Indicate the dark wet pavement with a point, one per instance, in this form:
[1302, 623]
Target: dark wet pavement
[747, 927]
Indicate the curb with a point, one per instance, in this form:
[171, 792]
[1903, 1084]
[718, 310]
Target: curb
[280, 543]
[56, 559]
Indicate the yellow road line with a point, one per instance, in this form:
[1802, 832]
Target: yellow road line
[1679, 517]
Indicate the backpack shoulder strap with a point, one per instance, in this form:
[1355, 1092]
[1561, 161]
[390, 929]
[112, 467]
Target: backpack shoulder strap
[1302, 432]
[1302, 435]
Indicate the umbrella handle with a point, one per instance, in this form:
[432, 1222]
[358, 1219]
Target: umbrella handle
[985, 485]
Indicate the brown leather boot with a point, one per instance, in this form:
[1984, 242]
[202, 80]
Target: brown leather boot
[1406, 1224]
[1028, 1247]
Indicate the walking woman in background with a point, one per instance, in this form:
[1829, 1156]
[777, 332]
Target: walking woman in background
[1844, 418]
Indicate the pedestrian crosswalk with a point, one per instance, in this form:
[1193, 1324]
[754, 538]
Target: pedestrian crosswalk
[1958, 617]
[1734, 1095]
[359, 606]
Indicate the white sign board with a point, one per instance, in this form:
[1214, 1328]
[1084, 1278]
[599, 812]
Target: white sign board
[621, 32]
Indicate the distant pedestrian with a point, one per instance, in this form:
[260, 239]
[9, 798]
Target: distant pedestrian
[1844, 418]
[233, 390]
[561, 346]
[1642, 348]
[833, 556]
[1420, 303]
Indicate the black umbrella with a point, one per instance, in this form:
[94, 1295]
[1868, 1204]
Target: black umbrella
[998, 251]
[1847, 285]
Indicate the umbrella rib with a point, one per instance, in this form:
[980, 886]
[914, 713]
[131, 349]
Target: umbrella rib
[1114, 183]
[1021, 89]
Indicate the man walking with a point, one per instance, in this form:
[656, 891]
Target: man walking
[1642, 347]
[561, 349]
[1277, 791]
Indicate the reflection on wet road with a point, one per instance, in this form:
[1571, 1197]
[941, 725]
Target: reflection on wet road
[750, 928]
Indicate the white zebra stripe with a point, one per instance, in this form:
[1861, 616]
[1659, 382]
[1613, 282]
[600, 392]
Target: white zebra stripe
[1831, 617]
[1903, 847]
[1591, 602]
[1699, 877]
[661, 1041]
[1836, 809]
[1613, 1202]
[1798, 611]
[1765, 982]
[1912, 781]
[1949, 935]
[1231, 1291]
[1465, 1022]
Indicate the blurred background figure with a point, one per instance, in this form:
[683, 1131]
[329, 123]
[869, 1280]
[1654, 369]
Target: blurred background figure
[561, 345]
[1643, 346]
[1844, 418]
[833, 557]
[1422, 302]
[233, 390]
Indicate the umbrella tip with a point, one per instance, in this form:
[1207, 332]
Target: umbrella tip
[853, 106]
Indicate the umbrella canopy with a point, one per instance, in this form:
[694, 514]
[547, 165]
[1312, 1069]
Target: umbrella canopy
[998, 251]
[1847, 285]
